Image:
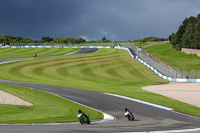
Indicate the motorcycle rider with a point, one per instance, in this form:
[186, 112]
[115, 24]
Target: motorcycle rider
[127, 110]
[79, 112]
[35, 55]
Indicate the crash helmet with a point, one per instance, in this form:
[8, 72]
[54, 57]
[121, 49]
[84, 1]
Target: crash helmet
[79, 111]
[126, 109]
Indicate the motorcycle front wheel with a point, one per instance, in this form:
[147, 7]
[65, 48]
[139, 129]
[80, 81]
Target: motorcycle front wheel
[81, 121]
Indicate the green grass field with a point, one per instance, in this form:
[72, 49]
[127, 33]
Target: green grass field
[139, 44]
[109, 70]
[29, 52]
[47, 107]
[176, 59]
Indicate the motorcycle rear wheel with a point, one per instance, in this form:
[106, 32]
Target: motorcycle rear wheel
[88, 121]
[130, 118]
[133, 118]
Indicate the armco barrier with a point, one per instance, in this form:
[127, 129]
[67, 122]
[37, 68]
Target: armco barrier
[157, 72]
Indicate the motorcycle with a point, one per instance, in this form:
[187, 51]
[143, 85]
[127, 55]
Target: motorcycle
[129, 115]
[83, 118]
[35, 55]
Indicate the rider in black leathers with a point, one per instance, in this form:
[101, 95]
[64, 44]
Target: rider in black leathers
[127, 110]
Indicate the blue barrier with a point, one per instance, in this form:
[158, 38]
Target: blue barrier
[191, 80]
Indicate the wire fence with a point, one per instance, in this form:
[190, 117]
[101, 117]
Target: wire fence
[160, 66]
[189, 74]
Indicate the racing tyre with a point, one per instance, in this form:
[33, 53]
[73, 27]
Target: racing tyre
[81, 121]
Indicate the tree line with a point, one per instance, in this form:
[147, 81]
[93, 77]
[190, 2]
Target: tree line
[187, 35]
[46, 39]
[6, 40]
[151, 39]
[13, 39]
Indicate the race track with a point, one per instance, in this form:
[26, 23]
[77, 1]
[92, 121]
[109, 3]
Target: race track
[148, 118]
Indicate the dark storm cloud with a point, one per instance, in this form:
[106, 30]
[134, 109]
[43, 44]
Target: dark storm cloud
[93, 19]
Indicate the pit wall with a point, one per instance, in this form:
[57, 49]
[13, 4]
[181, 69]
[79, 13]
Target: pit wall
[191, 51]
[155, 71]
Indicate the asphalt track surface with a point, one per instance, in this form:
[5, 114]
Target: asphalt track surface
[147, 118]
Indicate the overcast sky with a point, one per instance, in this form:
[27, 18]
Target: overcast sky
[93, 19]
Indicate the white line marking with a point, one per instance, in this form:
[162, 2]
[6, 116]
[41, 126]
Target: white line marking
[170, 131]
[72, 53]
[140, 101]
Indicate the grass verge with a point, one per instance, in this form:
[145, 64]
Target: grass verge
[139, 44]
[47, 108]
[29, 52]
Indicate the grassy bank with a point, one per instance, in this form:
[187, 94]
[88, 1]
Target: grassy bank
[109, 70]
[47, 107]
[139, 44]
[176, 59]
[29, 52]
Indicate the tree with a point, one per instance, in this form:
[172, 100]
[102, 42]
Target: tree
[27, 40]
[170, 37]
[188, 34]
[103, 39]
[46, 39]
[80, 40]
[70, 40]
[196, 38]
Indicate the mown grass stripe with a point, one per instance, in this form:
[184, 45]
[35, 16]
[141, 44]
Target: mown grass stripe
[29, 52]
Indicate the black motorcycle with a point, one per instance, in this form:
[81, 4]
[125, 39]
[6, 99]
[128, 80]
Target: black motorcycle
[129, 115]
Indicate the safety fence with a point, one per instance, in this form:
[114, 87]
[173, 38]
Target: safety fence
[189, 74]
[133, 55]
[161, 67]
[170, 72]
